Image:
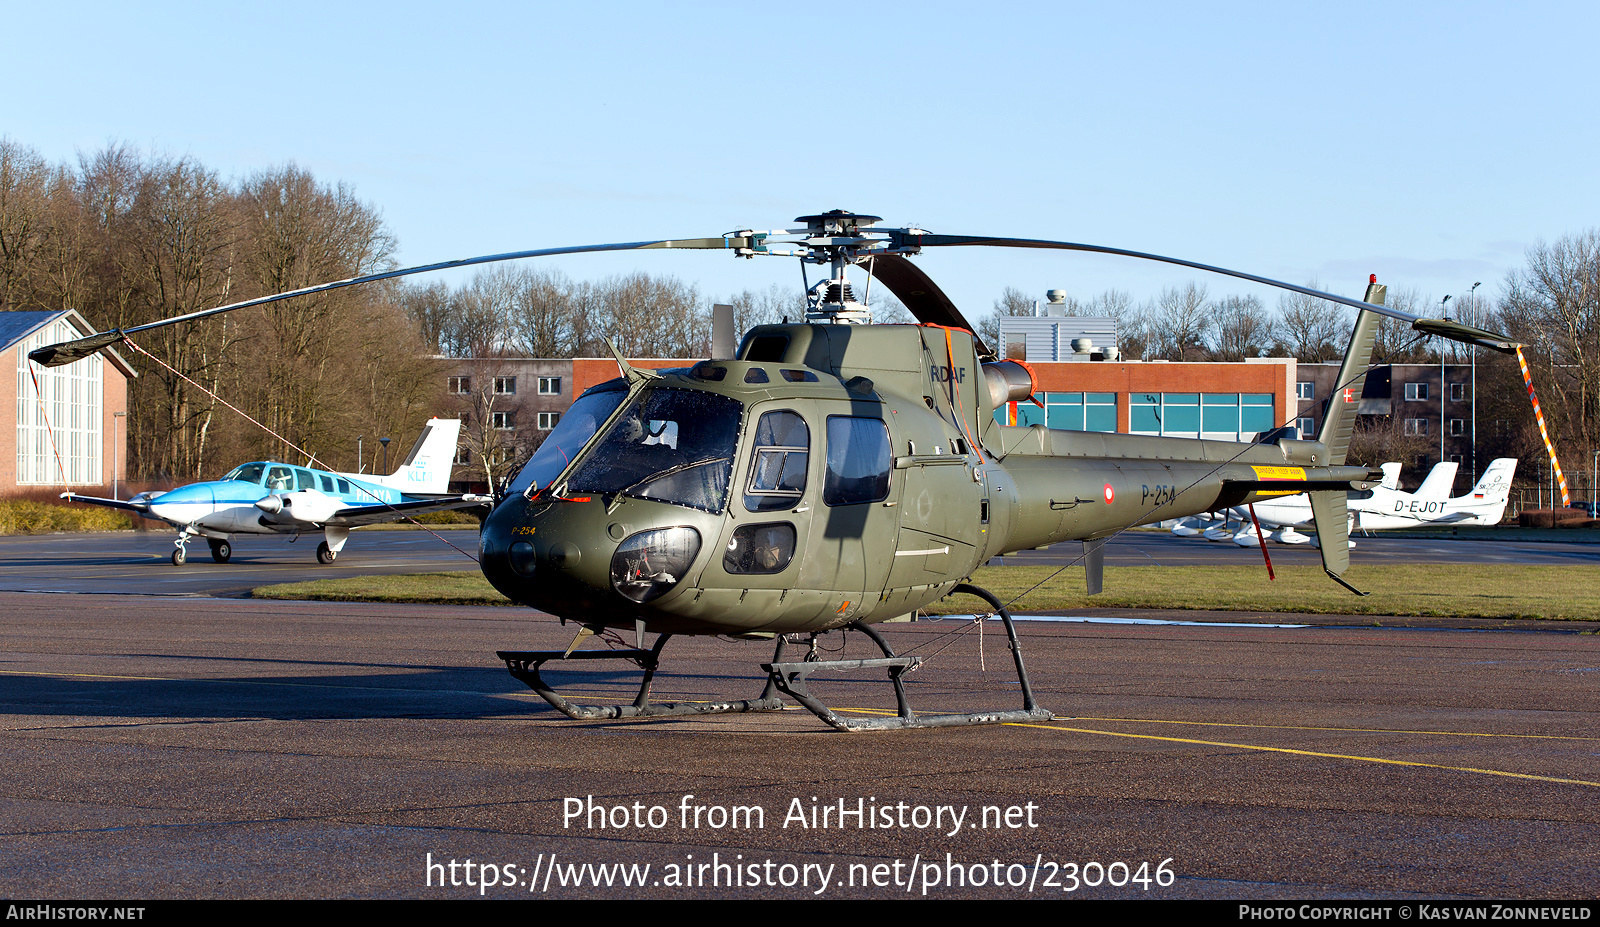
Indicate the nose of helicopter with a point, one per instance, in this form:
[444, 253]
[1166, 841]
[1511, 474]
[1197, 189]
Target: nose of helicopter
[506, 551]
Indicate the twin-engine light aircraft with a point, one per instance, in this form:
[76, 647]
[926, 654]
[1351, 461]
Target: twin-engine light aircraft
[834, 474]
[268, 497]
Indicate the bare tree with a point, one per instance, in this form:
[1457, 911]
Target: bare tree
[1180, 321]
[1380, 439]
[1012, 303]
[1314, 329]
[1554, 306]
[1241, 328]
[1396, 342]
[429, 308]
[24, 182]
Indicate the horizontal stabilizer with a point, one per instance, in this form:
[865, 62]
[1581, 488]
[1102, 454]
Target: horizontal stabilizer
[141, 508]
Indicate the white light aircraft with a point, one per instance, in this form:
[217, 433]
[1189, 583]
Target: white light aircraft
[1387, 507]
[268, 497]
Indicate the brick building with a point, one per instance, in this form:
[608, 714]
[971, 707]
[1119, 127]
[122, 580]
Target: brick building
[1415, 398]
[82, 409]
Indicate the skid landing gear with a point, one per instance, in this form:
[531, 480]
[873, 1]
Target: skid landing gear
[525, 666]
[791, 678]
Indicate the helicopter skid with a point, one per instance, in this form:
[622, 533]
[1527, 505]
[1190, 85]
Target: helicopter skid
[791, 678]
[525, 666]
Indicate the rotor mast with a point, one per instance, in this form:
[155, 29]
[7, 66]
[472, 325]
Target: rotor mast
[836, 238]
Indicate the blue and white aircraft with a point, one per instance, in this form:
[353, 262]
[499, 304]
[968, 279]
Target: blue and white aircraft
[268, 497]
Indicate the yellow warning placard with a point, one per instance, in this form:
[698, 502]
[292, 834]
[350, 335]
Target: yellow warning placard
[1280, 473]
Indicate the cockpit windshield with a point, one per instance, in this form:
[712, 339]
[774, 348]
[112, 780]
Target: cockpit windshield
[577, 425]
[670, 445]
[247, 473]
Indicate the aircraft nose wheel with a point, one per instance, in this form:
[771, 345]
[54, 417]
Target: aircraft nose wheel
[221, 551]
[324, 554]
[178, 557]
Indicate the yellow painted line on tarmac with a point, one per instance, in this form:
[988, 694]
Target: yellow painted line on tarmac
[1346, 730]
[1293, 752]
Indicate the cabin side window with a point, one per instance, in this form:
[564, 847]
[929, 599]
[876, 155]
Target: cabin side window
[280, 479]
[760, 549]
[858, 461]
[778, 461]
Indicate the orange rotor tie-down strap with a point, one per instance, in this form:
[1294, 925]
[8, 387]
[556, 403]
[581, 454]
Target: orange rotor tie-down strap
[950, 358]
[1538, 415]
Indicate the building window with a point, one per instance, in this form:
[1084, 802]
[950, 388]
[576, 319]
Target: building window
[503, 421]
[1458, 392]
[1416, 391]
[1220, 416]
[1455, 458]
[1305, 389]
[547, 420]
[70, 398]
[499, 455]
[1308, 428]
[466, 420]
[505, 386]
[1416, 426]
[1457, 428]
[460, 386]
[463, 455]
[549, 386]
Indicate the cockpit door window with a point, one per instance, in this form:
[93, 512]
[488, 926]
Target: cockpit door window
[778, 460]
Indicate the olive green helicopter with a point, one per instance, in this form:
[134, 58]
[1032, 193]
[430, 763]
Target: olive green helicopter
[833, 474]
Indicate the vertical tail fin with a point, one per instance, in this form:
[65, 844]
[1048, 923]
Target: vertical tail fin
[426, 469]
[1329, 511]
[1495, 484]
[1339, 418]
[1441, 481]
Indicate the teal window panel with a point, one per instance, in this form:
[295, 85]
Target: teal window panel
[1180, 413]
[1066, 416]
[1145, 417]
[1256, 418]
[1220, 418]
[1100, 418]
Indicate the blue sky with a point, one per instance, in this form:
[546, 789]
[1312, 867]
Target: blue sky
[1429, 143]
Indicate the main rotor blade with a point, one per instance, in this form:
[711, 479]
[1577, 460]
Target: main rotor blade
[921, 296]
[55, 355]
[1454, 331]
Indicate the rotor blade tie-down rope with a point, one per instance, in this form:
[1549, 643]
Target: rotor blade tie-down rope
[48, 430]
[292, 446]
[1538, 414]
[1260, 539]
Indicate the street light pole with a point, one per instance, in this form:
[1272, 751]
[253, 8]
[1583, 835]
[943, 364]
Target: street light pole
[114, 443]
[1475, 320]
[1443, 422]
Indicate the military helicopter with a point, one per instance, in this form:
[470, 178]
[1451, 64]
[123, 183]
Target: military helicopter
[833, 474]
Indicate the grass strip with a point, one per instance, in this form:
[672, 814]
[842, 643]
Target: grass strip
[1425, 590]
